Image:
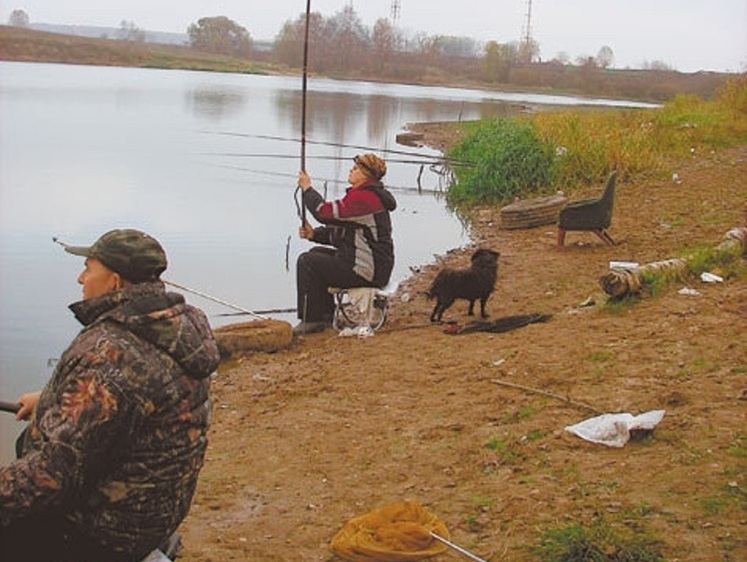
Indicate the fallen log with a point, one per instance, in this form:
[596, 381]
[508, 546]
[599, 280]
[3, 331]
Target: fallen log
[622, 282]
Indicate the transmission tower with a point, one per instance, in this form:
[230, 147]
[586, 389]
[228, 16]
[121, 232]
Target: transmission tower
[527, 43]
[527, 35]
[395, 11]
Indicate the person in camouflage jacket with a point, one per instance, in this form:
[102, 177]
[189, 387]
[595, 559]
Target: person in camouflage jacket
[109, 462]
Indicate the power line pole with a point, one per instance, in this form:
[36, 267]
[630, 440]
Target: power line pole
[395, 11]
[527, 43]
[528, 23]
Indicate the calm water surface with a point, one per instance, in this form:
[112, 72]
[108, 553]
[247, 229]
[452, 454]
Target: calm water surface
[206, 162]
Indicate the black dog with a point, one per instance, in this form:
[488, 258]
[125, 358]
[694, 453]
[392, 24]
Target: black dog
[476, 282]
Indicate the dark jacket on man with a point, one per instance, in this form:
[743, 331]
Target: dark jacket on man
[118, 438]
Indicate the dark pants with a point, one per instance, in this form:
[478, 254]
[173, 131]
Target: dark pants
[316, 270]
[52, 539]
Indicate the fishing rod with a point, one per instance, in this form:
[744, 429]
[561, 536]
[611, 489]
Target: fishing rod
[11, 407]
[268, 311]
[337, 145]
[215, 299]
[190, 290]
[303, 105]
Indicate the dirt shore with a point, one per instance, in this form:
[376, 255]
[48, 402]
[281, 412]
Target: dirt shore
[307, 438]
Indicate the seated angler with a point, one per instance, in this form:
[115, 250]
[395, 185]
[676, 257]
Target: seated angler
[356, 242]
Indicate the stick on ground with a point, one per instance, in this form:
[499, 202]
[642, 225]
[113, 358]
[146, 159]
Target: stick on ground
[545, 393]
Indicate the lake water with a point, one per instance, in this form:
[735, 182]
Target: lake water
[206, 162]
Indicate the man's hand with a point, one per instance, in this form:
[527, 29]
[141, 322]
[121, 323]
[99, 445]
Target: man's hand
[28, 404]
[304, 180]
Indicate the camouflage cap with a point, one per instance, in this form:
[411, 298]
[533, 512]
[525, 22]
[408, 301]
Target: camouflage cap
[135, 255]
[371, 164]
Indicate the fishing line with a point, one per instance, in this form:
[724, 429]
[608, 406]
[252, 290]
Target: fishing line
[332, 181]
[335, 145]
[423, 161]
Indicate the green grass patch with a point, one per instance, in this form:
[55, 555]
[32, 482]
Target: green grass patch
[600, 356]
[601, 541]
[738, 447]
[535, 434]
[507, 158]
[506, 448]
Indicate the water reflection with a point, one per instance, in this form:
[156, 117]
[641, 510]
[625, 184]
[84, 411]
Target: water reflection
[216, 104]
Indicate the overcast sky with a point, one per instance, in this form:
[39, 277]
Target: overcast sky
[687, 35]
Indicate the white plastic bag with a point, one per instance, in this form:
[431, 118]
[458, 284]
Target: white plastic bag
[614, 430]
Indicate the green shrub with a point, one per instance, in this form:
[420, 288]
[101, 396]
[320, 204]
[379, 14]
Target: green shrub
[507, 159]
[564, 150]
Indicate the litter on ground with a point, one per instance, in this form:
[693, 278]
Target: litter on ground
[614, 430]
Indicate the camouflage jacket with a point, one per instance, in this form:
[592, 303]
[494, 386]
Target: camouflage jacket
[118, 437]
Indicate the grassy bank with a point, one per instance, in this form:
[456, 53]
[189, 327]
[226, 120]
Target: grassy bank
[24, 45]
[568, 149]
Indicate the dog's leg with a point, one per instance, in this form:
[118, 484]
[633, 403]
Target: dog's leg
[483, 302]
[441, 306]
[436, 315]
[471, 309]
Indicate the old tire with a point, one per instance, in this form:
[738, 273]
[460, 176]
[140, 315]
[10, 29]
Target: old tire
[259, 335]
[528, 213]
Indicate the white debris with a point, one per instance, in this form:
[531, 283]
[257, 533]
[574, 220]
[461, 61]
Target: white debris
[707, 277]
[614, 430]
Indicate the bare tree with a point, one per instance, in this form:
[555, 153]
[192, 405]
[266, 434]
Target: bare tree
[128, 31]
[386, 40]
[220, 35]
[585, 61]
[18, 18]
[288, 44]
[349, 38]
[605, 57]
[562, 58]
[656, 65]
[529, 50]
[498, 60]
[452, 46]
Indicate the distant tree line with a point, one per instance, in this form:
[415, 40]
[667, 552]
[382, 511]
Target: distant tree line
[341, 45]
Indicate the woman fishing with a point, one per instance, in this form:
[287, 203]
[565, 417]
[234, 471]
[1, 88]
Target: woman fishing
[356, 235]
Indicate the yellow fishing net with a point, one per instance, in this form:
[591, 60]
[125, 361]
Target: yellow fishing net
[396, 532]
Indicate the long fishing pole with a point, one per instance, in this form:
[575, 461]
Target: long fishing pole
[190, 290]
[11, 407]
[215, 299]
[303, 104]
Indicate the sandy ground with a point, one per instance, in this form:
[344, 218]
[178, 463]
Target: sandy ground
[307, 438]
